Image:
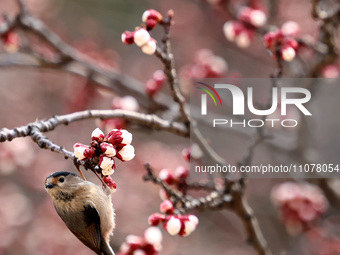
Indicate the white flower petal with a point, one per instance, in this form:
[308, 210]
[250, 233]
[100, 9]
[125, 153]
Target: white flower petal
[127, 152]
[173, 226]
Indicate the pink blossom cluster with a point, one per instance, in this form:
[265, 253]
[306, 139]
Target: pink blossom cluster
[149, 244]
[182, 225]
[282, 43]
[156, 82]
[298, 204]
[141, 36]
[103, 150]
[206, 65]
[242, 30]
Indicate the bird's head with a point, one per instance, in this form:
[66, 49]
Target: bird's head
[60, 183]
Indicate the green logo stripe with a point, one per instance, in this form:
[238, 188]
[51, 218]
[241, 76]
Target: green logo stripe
[208, 92]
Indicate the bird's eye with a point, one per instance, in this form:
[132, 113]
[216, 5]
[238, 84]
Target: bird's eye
[61, 179]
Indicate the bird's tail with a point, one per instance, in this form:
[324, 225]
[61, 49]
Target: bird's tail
[106, 249]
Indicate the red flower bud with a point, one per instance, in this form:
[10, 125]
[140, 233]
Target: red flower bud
[82, 151]
[290, 42]
[150, 24]
[152, 87]
[110, 182]
[126, 153]
[107, 164]
[189, 223]
[159, 76]
[108, 149]
[172, 225]
[97, 135]
[167, 207]
[128, 37]
[181, 172]
[166, 176]
[152, 15]
[156, 218]
[119, 137]
[186, 153]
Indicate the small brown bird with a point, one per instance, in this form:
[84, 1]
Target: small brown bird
[85, 208]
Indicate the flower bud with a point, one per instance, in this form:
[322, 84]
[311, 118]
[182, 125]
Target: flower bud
[153, 236]
[269, 39]
[119, 137]
[243, 40]
[156, 218]
[166, 176]
[152, 87]
[108, 149]
[288, 53]
[126, 153]
[141, 37]
[107, 165]
[167, 207]
[134, 240]
[110, 182]
[150, 47]
[126, 103]
[181, 172]
[229, 31]
[82, 151]
[186, 153]
[172, 225]
[152, 15]
[97, 135]
[159, 77]
[128, 37]
[289, 42]
[150, 24]
[258, 18]
[290, 28]
[189, 224]
[217, 65]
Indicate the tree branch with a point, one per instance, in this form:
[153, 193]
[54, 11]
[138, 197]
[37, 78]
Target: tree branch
[147, 120]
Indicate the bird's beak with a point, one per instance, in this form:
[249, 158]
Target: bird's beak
[49, 185]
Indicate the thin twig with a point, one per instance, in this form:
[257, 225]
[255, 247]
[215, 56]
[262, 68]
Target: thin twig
[167, 58]
[213, 201]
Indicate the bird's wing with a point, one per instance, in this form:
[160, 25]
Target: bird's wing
[91, 234]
